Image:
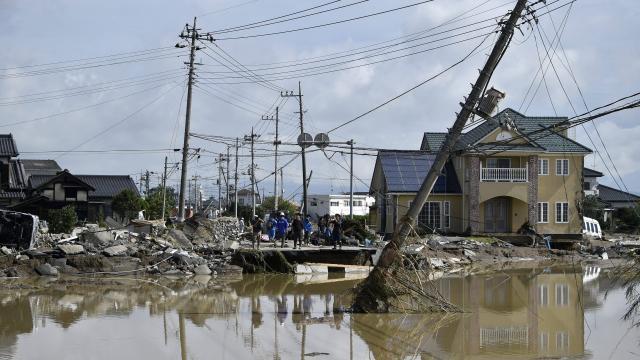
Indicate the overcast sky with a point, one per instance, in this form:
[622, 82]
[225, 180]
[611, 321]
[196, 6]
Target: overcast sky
[147, 112]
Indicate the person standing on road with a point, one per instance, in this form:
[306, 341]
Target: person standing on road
[282, 227]
[297, 231]
[271, 227]
[256, 224]
[308, 229]
[336, 233]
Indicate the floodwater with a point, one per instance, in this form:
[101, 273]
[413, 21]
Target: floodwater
[532, 313]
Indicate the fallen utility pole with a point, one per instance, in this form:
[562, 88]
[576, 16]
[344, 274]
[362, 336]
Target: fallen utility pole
[191, 34]
[304, 157]
[375, 293]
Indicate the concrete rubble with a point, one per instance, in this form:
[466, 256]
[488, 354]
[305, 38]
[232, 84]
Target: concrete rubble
[200, 246]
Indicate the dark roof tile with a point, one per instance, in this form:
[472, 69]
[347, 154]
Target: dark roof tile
[8, 146]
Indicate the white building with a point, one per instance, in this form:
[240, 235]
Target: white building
[244, 197]
[333, 204]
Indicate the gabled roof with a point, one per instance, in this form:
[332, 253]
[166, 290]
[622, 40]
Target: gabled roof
[586, 172]
[531, 127]
[405, 170]
[8, 146]
[609, 194]
[40, 181]
[40, 167]
[101, 186]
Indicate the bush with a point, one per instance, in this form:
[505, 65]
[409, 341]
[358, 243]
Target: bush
[127, 204]
[357, 228]
[62, 220]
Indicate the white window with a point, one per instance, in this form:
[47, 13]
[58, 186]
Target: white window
[446, 216]
[334, 203]
[562, 295]
[357, 202]
[543, 166]
[430, 217]
[562, 167]
[562, 341]
[543, 212]
[346, 203]
[562, 212]
[498, 163]
[543, 344]
[543, 295]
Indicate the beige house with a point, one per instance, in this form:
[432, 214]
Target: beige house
[507, 172]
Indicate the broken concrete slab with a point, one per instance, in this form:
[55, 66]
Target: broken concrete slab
[71, 249]
[22, 257]
[179, 239]
[436, 263]
[117, 250]
[468, 253]
[202, 270]
[234, 245]
[46, 270]
[98, 238]
[6, 251]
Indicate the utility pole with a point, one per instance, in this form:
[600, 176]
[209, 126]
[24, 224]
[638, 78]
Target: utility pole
[220, 183]
[196, 194]
[191, 34]
[304, 157]
[374, 290]
[275, 169]
[252, 171]
[164, 187]
[226, 179]
[146, 184]
[350, 142]
[235, 183]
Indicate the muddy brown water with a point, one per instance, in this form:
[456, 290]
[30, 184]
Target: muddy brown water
[530, 313]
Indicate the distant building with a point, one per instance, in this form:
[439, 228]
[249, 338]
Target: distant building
[37, 186]
[611, 197]
[333, 204]
[244, 197]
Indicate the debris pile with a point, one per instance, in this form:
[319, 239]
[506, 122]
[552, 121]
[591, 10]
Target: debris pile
[202, 247]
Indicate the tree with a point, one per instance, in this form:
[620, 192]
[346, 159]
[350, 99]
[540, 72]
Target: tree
[285, 206]
[153, 202]
[62, 220]
[127, 204]
[594, 208]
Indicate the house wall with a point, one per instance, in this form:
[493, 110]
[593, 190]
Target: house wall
[553, 188]
[58, 192]
[403, 201]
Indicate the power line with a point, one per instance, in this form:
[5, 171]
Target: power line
[326, 24]
[412, 88]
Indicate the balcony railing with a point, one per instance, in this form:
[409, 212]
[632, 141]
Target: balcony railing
[504, 174]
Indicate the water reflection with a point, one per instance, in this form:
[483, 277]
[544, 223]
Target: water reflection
[517, 314]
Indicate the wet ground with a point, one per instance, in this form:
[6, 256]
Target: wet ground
[543, 312]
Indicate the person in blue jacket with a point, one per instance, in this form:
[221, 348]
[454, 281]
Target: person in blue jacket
[308, 229]
[271, 227]
[282, 227]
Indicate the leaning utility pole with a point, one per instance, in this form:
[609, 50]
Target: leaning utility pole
[374, 294]
[302, 146]
[235, 183]
[191, 34]
[275, 169]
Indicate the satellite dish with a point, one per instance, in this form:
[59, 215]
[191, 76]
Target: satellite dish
[305, 140]
[321, 140]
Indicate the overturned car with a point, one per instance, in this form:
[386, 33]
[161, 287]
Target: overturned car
[18, 230]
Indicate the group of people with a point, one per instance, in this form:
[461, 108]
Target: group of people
[282, 227]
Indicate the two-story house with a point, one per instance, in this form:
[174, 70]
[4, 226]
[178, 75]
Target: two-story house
[506, 172]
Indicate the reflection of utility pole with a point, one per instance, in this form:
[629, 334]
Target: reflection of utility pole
[183, 337]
